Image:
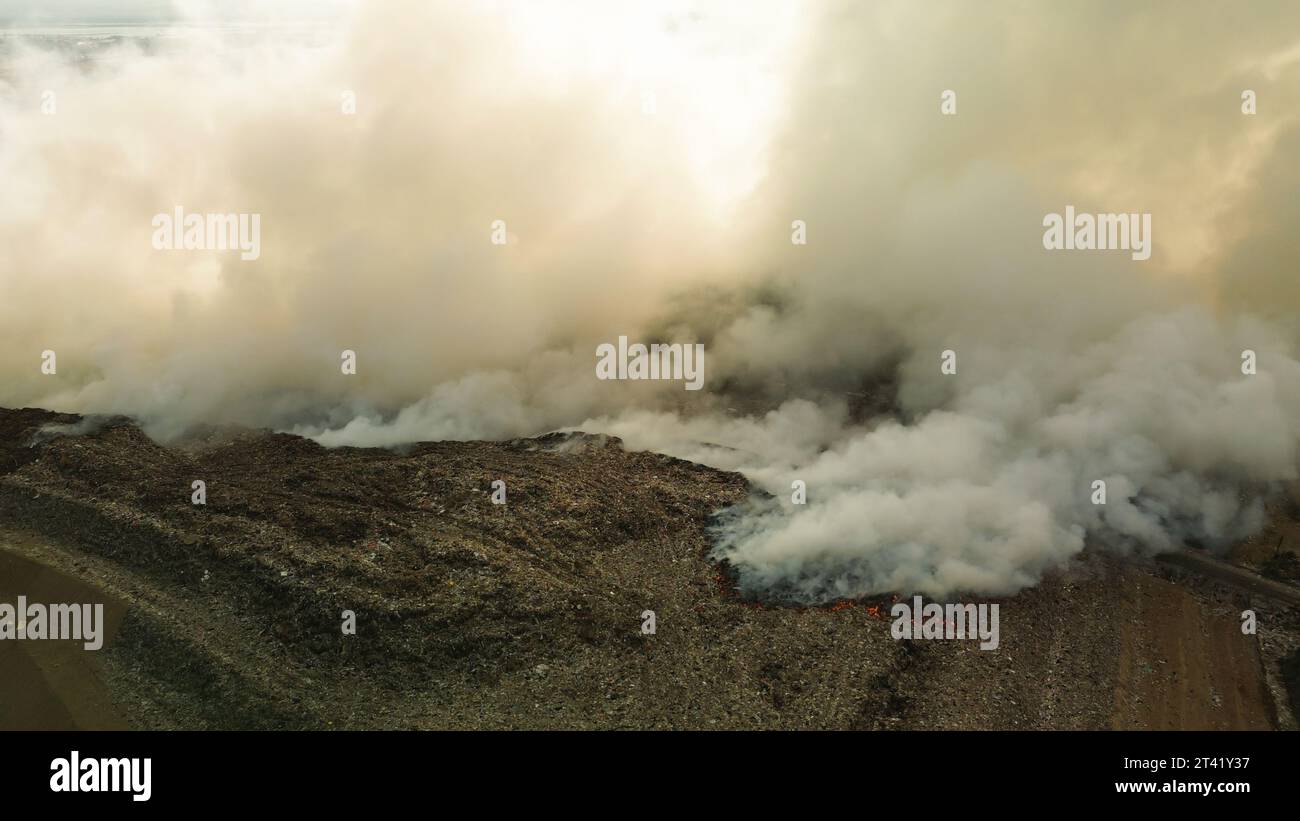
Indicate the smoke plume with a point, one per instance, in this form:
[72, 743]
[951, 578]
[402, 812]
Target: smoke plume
[648, 167]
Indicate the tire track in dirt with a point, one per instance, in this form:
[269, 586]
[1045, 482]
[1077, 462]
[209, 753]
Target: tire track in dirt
[1184, 663]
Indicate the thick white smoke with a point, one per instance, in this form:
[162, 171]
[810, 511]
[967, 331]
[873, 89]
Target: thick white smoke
[992, 488]
[924, 235]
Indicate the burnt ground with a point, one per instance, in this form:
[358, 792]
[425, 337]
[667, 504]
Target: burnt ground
[474, 615]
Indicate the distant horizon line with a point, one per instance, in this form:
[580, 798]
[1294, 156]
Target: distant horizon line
[171, 21]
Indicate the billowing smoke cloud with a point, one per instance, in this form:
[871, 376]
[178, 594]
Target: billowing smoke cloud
[658, 205]
[376, 227]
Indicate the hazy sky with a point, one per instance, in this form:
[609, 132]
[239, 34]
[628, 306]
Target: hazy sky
[71, 12]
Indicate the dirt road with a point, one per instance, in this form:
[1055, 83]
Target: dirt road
[1184, 663]
[53, 685]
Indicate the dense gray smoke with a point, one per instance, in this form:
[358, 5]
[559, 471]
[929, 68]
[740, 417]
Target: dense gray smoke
[648, 168]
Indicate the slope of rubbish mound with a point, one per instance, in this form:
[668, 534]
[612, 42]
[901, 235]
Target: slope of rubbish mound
[587, 600]
[410, 541]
